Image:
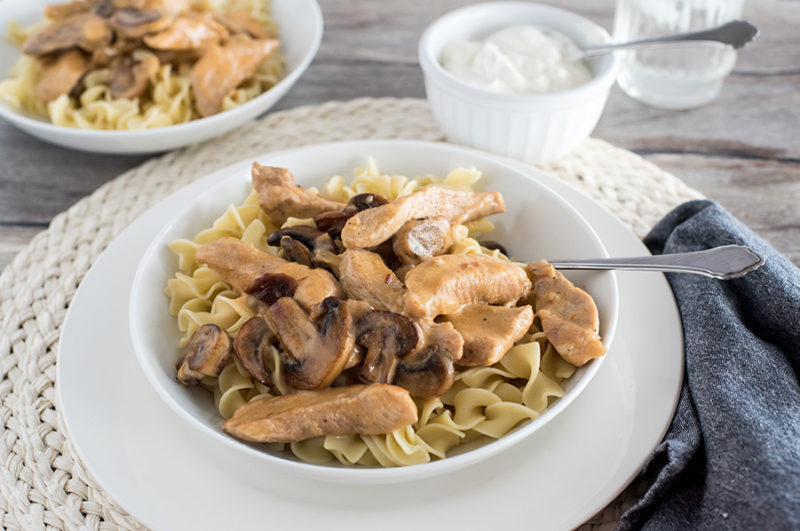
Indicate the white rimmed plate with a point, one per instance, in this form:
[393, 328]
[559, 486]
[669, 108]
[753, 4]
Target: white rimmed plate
[300, 23]
[556, 479]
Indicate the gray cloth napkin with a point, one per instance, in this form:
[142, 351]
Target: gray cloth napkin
[731, 458]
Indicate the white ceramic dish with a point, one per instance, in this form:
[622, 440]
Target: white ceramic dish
[153, 466]
[300, 24]
[527, 127]
[532, 208]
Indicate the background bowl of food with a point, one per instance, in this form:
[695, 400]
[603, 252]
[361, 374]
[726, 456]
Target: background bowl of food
[500, 77]
[109, 77]
[481, 410]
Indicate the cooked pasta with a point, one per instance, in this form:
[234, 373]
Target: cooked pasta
[483, 403]
[168, 99]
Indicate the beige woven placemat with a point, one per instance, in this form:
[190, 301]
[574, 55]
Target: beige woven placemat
[42, 483]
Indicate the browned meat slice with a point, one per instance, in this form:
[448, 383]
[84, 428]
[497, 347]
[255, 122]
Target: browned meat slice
[489, 331]
[357, 409]
[222, 68]
[421, 238]
[62, 11]
[188, 32]
[365, 277]
[242, 265]
[242, 22]
[132, 75]
[568, 315]
[372, 227]
[137, 18]
[61, 74]
[443, 284]
[281, 198]
[82, 30]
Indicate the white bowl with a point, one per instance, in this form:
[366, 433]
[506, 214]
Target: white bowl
[537, 223]
[530, 127]
[300, 23]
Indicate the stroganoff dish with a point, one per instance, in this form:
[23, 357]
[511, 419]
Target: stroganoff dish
[139, 64]
[367, 324]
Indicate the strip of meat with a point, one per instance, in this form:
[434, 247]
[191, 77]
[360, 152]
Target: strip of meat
[443, 284]
[281, 198]
[374, 226]
[61, 11]
[188, 32]
[61, 74]
[568, 314]
[82, 30]
[358, 409]
[222, 68]
[489, 331]
[241, 264]
[365, 277]
[242, 22]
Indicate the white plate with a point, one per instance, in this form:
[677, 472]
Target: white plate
[300, 23]
[556, 479]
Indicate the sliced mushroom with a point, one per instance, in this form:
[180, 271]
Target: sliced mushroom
[191, 31]
[222, 68]
[204, 355]
[141, 17]
[82, 30]
[374, 226]
[62, 11]
[281, 198]
[241, 265]
[304, 244]
[333, 221]
[489, 331]
[568, 315]
[133, 74]
[105, 55]
[421, 238]
[443, 284]
[252, 348]
[315, 354]
[61, 74]
[359, 409]
[270, 287]
[427, 373]
[389, 338]
[365, 277]
[243, 22]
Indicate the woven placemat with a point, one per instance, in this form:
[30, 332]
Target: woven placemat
[42, 482]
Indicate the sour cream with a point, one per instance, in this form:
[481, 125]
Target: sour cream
[521, 59]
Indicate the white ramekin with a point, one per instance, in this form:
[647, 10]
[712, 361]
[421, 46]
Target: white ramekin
[530, 127]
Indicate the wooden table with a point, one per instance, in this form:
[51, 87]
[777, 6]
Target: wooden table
[742, 149]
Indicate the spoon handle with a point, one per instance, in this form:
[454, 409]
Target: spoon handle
[729, 261]
[735, 33]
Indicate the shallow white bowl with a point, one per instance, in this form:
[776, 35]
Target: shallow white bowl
[536, 224]
[530, 127]
[300, 23]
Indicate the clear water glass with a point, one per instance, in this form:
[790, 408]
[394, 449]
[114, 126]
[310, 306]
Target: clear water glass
[681, 76]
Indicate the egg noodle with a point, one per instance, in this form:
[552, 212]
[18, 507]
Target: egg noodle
[484, 402]
[167, 101]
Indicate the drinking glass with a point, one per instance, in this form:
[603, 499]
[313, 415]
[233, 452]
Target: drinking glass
[683, 75]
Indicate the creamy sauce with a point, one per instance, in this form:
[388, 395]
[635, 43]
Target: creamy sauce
[517, 60]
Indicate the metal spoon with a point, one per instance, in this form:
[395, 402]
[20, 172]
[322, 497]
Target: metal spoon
[728, 261]
[736, 33]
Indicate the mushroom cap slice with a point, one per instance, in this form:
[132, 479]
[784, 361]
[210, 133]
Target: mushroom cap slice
[189, 32]
[281, 198]
[61, 74]
[306, 245]
[364, 276]
[241, 265]
[270, 287]
[427, 373]
[332, 222]
[315, 352]
[443, 284]
[358, 409]
[489, 331]
[252, 346]
[132, 75]
[294, 251]
[388, 337]
[205, 354]
[374, 226]
[568, 315]
[222, 68]
[81, 30]
[421, 238]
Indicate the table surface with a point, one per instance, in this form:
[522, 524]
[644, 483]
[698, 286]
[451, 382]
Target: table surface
[743, 149]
